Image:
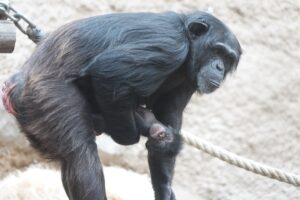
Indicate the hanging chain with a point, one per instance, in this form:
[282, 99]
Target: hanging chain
[34, 33]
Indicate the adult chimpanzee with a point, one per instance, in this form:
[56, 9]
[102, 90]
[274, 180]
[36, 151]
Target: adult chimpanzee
[96, 74]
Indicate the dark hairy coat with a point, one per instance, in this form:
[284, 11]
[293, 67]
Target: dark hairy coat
[91, 75]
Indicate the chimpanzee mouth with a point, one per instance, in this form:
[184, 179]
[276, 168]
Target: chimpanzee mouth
[215, 84]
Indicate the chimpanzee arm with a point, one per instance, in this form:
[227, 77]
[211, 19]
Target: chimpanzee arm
[168, 109]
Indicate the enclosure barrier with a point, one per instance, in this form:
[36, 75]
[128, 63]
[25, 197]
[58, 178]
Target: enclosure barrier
[7, 43]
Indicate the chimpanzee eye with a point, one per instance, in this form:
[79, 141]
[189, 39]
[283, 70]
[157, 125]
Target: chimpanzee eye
[227, 55]
[229, 64]
[225, 52]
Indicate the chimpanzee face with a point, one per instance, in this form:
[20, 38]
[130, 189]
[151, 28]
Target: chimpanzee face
[214, 53]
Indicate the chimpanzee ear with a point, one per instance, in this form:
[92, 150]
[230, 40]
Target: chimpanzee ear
[197, 28]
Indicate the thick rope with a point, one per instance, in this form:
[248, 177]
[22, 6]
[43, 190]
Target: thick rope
[241, 162]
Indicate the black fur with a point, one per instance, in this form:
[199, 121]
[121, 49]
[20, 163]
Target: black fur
[91, 75]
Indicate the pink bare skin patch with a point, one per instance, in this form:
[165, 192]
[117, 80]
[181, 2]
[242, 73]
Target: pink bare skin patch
[6, 90]
[157, 131]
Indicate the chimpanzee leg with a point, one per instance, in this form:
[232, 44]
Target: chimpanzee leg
[168, 110]
[56, 120]
[82, 174]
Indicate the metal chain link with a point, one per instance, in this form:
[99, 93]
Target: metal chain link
[3, 9]
[34, 33]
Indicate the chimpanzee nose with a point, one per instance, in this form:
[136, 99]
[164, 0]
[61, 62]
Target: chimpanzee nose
[219, 67]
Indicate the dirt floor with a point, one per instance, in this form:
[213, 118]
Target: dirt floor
[255, 114]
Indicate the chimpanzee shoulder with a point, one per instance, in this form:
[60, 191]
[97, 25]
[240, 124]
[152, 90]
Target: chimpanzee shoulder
[140, 55]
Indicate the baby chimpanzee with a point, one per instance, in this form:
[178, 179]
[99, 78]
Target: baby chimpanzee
[161, 139]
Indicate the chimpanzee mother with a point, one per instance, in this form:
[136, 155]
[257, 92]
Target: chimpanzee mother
[127, 75]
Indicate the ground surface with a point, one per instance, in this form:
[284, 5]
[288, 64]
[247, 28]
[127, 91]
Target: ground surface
[256, 113]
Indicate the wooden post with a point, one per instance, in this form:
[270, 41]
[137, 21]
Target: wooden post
[7, 33]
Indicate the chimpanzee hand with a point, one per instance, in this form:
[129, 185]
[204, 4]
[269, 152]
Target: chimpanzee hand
[161, 139]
